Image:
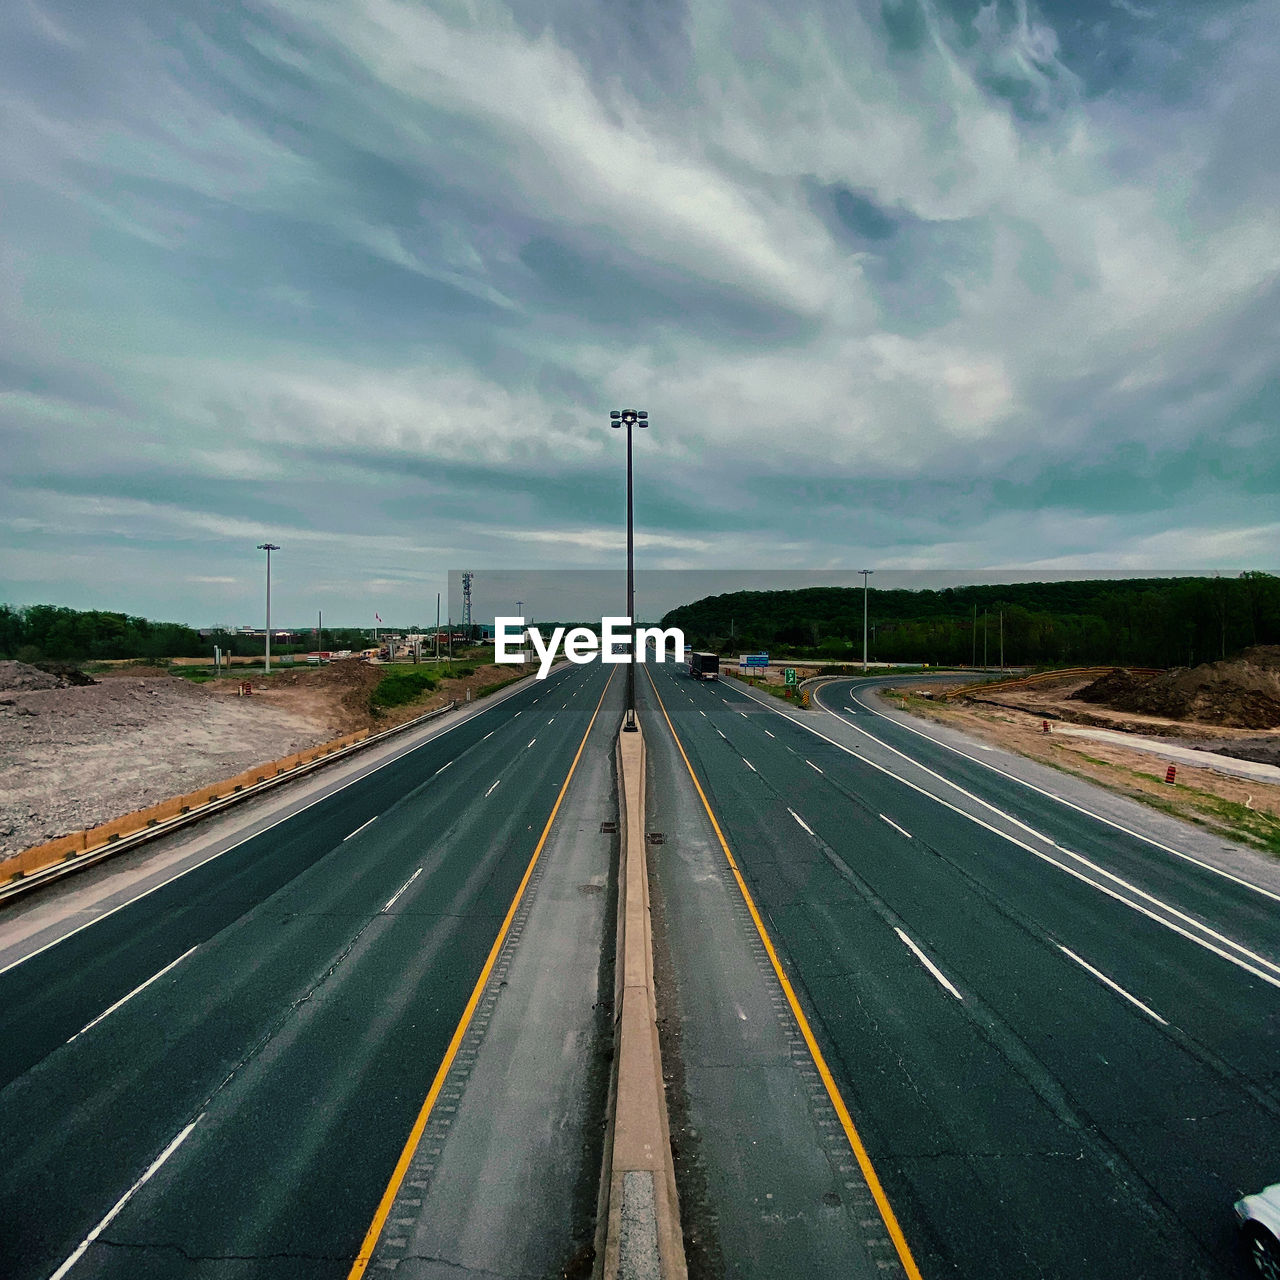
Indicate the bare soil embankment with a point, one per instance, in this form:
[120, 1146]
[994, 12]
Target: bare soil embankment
[73, 756]
[76, 756]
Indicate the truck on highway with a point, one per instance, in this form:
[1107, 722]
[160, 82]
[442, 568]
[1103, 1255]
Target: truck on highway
[704, 666]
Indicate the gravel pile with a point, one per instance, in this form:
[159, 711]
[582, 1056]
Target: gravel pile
[20, 677]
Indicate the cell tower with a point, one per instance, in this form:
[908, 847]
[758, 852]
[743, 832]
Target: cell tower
[467, 575]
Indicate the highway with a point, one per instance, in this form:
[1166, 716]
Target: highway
[925, 1010]
[1056, 1040]
[217, 1078]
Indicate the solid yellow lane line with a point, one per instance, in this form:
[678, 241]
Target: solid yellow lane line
[846, 1120]
[361, 1263]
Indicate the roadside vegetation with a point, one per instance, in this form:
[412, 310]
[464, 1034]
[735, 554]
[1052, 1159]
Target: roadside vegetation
[407, 683]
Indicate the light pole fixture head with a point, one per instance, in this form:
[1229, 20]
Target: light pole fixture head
[267, 546]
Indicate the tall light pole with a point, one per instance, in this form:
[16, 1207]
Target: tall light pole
[630, 418]
[268, 547]
[866, 573]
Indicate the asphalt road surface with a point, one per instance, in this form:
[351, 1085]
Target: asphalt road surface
[1053, 1019]
[217, 1078]
[1058, 1041]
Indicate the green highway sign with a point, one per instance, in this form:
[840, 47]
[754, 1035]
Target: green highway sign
[789, 675]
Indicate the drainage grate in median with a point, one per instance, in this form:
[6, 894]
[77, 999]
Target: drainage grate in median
[608, 828]
[656, 837]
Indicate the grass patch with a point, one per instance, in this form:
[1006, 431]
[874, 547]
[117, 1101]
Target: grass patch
[493, 688]
[1250, 825]
[1226, 818]
[398, 688]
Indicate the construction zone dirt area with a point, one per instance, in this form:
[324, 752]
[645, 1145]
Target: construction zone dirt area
[1220, 708]
[73, 754]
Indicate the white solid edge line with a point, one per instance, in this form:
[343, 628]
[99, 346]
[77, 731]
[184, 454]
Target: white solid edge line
[1079, 857]
[800, 820]
[1115, 986]
[1071, 871]
[814, 767]
[195, 866]
[391, 901]
[362, 826]
[885, 817]
[928, 964]
[492, 789]
[142, 986]
[1070, 804]
[924, 768]
[124, 1200]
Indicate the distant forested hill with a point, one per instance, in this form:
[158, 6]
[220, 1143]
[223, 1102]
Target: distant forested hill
[1148, 622]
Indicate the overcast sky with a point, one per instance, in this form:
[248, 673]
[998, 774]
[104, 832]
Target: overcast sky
[914, 283]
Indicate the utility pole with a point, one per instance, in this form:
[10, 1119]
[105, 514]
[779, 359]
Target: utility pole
[1002, 642]
[973, 662]
[984, 639]
[319, 631]
[866, 573]
[268, 547]
[437, 626]
[630, 418]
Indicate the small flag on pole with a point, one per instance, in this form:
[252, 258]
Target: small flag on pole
[378, 617]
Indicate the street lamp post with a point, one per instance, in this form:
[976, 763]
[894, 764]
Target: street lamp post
[866, 573]
[630, 418]
[268, 547]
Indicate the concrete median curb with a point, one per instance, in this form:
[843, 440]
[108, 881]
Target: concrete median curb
[638, 1234]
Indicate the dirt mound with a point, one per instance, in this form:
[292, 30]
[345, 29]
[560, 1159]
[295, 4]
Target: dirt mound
[1242, 692]
[18, 677]
[1114, 685]
[336, 694]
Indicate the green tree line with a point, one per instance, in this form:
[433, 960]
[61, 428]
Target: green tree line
[55, 633]
[1144, 622]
